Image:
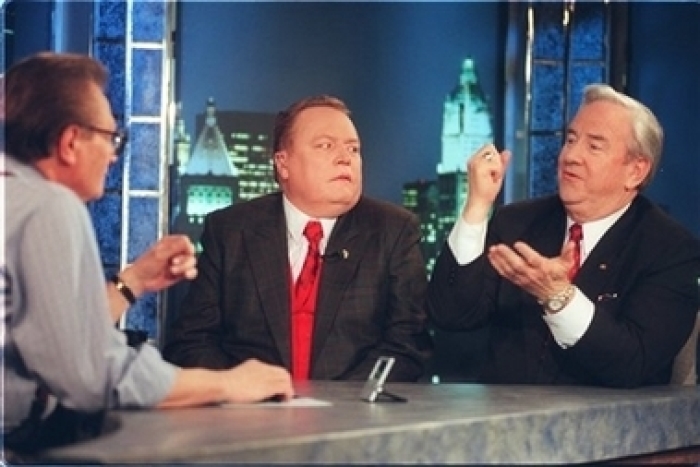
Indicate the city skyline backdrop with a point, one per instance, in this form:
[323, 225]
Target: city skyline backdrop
[228, 160]
[394, 64]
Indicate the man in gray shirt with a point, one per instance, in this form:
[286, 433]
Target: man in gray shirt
[60, 346]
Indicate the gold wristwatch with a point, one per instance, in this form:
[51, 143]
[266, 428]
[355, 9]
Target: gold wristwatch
[558, 301]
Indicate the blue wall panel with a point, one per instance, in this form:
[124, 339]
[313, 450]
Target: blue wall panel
[544, 152]
[106, 217]
[145, 160]
[148, 82]
[547, 97]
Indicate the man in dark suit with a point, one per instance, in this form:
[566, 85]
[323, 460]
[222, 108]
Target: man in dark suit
[370, 289]
[612, 303]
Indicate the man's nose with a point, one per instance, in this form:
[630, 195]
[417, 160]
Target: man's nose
[343, 156]
[569, 153]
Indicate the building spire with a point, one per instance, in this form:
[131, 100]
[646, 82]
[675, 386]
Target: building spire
[210, 155]
[466, 122]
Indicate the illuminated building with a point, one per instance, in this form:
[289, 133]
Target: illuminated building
[421, 197]
[248, 139]
[466, 126]
[209, 180]
[231, 161]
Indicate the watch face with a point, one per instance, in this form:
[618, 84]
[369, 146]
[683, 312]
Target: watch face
[555, 304]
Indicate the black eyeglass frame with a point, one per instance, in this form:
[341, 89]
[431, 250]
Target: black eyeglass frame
[119, 136]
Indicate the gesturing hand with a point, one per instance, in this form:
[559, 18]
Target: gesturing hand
[538, 275]
[485, 172]
[169, 261]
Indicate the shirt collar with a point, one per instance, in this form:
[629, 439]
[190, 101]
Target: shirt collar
[20, 169]
[296, 222]
[593, 231]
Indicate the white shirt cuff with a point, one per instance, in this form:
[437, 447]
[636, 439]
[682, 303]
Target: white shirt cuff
[467, 240]
[572, 321]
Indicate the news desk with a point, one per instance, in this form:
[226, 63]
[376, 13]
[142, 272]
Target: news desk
[447, 423]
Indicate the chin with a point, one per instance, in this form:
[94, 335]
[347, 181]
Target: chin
[347, 193]
[346, 202]
[97, 194]
[341, 205]
[567, 192]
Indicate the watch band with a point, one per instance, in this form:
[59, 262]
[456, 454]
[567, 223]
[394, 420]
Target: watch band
[556, 302]
[124, 289]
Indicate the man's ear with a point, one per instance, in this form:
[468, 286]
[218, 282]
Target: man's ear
[280, 158]
[638, 172]
[68, 144]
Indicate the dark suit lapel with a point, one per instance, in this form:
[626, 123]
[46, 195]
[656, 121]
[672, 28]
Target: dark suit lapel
[337, 274]
[266, 246]
[547, 234]
[548, 237]
[603, 261]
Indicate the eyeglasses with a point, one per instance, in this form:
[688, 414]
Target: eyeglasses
[118, 137]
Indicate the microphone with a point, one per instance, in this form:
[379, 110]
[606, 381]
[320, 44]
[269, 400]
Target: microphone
[336, 255]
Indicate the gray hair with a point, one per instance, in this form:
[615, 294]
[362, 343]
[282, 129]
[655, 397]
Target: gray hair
[646, 130]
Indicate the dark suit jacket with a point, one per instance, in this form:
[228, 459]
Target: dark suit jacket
[371, 303]
[641, 276]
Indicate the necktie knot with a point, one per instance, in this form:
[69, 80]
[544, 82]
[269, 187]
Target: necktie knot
[575, 233]
[313, 233]
[309, 270]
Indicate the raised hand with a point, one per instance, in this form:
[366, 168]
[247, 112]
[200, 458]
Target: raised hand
[485, 172]
[169, 261]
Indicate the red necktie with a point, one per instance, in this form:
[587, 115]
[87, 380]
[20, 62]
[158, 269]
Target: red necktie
[304, 303]
[575, 235]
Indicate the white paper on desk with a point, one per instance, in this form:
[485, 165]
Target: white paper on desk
[294, 402]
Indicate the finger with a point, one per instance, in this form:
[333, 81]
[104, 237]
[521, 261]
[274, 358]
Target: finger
[184, 265]
[512, 265]
[505, 158]
[482, 158]
[567, 255]
[484, 152]
[497, 166]
[285, 388]
[530, 256]
[567, 251]
[189, 246]
[504, 260]
[172, 245]
[285, 382]
[191, 273]
[183, 260]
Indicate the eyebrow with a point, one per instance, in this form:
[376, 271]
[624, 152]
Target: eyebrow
[592, 136]
[346, 140]
[597, 137]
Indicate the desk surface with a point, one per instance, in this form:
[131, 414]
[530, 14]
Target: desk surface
[447, 423]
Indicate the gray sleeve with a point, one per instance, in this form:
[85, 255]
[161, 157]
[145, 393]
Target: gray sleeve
[63, 330]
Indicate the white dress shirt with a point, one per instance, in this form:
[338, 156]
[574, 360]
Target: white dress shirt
[467, 243]
[296, 241]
